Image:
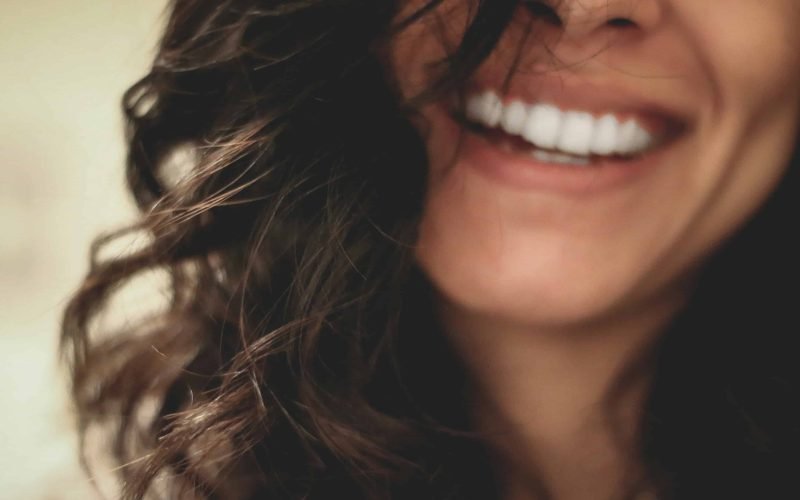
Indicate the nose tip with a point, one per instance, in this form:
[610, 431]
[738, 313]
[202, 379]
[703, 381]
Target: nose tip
[582, 17]
[578, 19]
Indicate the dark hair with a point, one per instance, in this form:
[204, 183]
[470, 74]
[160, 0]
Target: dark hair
[298, 355]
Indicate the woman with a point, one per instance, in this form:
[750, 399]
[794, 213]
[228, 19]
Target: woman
[507, 249]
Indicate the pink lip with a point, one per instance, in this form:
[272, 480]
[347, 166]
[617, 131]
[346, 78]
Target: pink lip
[521, 172]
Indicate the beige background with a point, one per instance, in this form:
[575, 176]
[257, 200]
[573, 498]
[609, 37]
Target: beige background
[63, 67]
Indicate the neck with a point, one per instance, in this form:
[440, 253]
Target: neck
[561, 405]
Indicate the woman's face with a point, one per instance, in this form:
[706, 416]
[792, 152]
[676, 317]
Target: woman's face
[710, 93]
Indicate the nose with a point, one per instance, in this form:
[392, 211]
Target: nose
[581, 20]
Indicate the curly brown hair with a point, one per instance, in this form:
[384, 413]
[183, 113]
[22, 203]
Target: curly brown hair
[298, 355]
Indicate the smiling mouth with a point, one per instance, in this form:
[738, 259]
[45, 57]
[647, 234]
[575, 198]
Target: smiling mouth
[549, 134]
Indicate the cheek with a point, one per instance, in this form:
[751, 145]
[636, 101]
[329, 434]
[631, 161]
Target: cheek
[753, 66]
[750, 52]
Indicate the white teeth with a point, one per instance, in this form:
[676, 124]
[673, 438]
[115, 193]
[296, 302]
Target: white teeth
[643, 140]
[545, 126]
[495, 109]
[604, 141]
[514, 117]
[549, 157]
[486, 108]
[626, 138]
[576, 133]
[474, 109]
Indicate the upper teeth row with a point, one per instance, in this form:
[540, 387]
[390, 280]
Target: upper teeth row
[548, 127]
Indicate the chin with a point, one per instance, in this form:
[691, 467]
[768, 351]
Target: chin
[531, 289]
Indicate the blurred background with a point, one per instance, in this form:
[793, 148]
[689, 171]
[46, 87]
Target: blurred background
[64, 65]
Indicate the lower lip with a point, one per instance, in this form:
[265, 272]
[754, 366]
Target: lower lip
[521, 171]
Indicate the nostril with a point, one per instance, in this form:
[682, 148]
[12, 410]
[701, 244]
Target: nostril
[544, 12]
[620, 22]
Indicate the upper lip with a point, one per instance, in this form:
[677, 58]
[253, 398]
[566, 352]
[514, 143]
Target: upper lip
[667, 116]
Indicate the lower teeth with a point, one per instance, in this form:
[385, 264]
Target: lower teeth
[560, 158]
